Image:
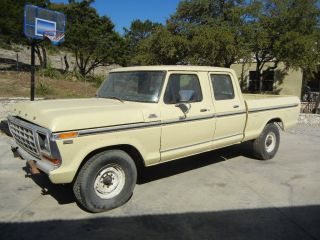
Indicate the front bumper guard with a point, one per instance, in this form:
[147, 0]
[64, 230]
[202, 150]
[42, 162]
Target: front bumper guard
[32, 161]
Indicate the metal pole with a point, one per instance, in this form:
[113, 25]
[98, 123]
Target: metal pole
[17, 62]
[32, 71]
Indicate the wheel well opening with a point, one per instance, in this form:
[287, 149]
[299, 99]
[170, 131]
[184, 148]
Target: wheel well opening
[278, 122]
[130, 150]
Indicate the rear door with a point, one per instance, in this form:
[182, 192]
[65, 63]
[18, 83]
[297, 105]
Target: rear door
[230, 109]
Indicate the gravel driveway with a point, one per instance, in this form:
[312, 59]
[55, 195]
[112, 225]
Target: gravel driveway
[224, 194]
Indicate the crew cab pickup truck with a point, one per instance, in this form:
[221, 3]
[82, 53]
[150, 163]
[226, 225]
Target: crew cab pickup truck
[144, 116]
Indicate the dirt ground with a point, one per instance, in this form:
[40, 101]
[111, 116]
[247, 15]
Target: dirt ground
[17, 84]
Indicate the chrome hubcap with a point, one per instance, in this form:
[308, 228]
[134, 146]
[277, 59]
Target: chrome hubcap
[270, 142]
[109, 181]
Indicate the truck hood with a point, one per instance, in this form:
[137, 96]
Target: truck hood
[74, 114]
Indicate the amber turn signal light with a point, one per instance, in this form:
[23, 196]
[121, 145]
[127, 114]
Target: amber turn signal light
[54, 161]
[67, 135]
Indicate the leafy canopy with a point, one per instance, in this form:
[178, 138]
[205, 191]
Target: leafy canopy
[91, 37]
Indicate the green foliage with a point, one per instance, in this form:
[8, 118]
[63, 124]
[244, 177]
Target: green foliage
[133, 36]
[284, 31]
[223, 32]
[91, 38]
[11, 19]
[215, 46]
[162, 47]
[139, 30]
[43, 89]
[200, 32]
[96, 79]
[50, 73]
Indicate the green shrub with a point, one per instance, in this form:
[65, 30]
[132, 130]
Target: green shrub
[43, 89]
[96, 80]
[50, 73]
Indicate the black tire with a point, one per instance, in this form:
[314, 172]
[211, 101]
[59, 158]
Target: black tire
[261, 149]
[84, 188]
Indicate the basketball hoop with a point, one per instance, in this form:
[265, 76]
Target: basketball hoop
[40, 24]
[54, 36]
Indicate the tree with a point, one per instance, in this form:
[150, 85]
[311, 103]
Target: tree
[162, 48]
[11, 25]
[11, 20]
[138, 31]
[92, 38]
[214, 30]
[283, 31]
[216, 46]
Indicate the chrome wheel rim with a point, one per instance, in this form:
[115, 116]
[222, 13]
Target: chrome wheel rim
[109, 181]
[270, 142]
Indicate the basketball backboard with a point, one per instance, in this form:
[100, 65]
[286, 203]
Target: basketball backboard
[40, 23]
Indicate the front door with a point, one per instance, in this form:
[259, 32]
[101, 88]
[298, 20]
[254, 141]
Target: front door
[186, 115]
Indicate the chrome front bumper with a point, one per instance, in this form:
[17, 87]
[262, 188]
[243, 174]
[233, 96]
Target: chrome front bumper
[40, 164]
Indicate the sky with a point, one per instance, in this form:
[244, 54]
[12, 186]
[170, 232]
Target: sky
[123, 12]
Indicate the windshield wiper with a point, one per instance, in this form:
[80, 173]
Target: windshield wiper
[113, 97]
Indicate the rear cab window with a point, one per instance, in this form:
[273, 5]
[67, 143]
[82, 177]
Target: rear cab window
[222, 86]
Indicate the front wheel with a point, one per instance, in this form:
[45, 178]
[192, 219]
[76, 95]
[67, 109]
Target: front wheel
[105, 181]
[266, 145]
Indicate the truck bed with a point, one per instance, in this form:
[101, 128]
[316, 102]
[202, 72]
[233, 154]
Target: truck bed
[261, 101]
[261, 107]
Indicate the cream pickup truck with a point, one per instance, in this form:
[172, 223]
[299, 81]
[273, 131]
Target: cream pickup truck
[143, 116]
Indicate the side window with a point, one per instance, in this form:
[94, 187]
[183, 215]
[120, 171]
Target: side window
[222, 87]
[183, 88]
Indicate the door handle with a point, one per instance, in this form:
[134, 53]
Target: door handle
[204, 110]
[235, 106]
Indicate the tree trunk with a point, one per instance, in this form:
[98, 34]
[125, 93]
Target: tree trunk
[258, 78]
[79, 61]
[37, 50]
[242, 76]
[66, 69]
[44, 56]
[82, 72]
[315, 110]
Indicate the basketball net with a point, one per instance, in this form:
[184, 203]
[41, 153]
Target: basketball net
[54, 36]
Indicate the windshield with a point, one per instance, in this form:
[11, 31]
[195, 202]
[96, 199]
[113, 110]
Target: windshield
[138, 86]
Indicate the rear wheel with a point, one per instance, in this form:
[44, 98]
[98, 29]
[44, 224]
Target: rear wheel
[105, 181]
[266, 145]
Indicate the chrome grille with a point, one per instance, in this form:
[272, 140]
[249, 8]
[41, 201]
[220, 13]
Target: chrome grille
[24, 137]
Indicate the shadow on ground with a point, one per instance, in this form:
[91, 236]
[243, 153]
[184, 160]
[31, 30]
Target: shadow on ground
[63, 193]
[268, 223]
[7, 64]
[4, 128]
[194, 162]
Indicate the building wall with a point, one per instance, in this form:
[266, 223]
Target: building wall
[286, 81]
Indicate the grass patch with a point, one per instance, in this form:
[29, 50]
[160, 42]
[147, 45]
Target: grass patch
[96, 80]
[43, 89]
[50, 72]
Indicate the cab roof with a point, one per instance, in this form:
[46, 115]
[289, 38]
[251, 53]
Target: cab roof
[173, 68]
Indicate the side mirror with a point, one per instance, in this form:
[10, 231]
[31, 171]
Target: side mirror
[184, 108]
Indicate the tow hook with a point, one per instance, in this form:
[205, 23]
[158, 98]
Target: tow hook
[15, 151]
[33, 167]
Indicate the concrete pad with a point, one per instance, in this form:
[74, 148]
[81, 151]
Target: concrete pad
[223, 194]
